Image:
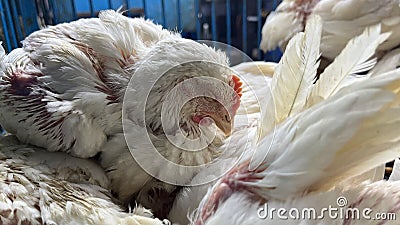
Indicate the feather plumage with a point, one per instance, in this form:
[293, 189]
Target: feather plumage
[389, 62]
[38, 187]
[363, 108]
[256, 77]
[293, 77]
[379, 201]
[183, 201]
[282, 166]
[342, 21]
[349, 147]
[64, 91]
[355, 58]
[67, 81]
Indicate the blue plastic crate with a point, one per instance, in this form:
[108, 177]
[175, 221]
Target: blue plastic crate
[196, 19]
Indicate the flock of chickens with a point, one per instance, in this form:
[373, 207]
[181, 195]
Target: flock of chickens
[115, 120]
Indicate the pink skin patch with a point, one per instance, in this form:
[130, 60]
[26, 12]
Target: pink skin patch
[304, 9]
[237, 86]
[197, 118]
[234, 181]
[21, 82]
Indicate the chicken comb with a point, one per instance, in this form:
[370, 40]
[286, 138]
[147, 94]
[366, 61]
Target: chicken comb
[237, 85]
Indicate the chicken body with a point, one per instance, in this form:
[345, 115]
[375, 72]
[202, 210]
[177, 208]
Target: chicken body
[314, 184]
[305, 152]
[363, 204]
[38, 187]
[342, 21]
[256, 77]
[69, 86]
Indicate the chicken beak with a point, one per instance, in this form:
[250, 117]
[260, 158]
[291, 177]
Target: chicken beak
[224, 125]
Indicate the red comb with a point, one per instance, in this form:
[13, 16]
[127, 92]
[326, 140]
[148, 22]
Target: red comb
[238, 89]
[237, 85]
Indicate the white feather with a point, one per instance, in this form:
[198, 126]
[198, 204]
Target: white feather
[289, 170]
[280, 27]
[353, 59]
[293, 76]
[374, 200]
[348, 148]
[71, 82]
[342, 21]
[39, 187]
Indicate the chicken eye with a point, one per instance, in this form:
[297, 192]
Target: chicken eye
[226, 118]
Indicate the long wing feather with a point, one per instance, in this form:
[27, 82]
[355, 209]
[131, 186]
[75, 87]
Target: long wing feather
[294, 75]
[354, 58]
[344, 147]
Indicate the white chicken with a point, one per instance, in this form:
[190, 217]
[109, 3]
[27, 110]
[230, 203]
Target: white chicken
[64, 91]
[352, 148]
[39, 187]
[58, 75]
[292, 92]
[359, 204]
[349, 147]
[342, 20]
[256, 77]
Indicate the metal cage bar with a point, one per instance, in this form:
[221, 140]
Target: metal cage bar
[228, 23]
[144, 8]
[63, 10]
[19, 21]
[259, 26]
[244, 26]
[28, 18]
[128, 11]
[5, 26]
[178, 11]
[91, 8]
[9, 20]
[213, 21]
[164, 20]
[197, 15]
